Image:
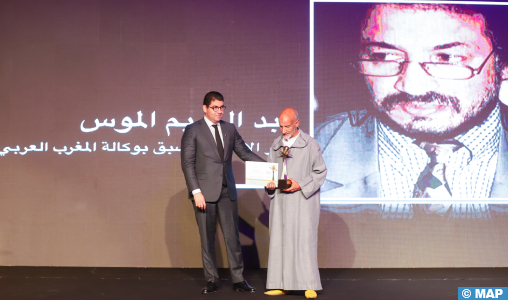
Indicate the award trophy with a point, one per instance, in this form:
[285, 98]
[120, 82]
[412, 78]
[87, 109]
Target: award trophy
[273, 168]
[284, 183]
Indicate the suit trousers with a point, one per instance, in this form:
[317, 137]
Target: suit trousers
[226, 212]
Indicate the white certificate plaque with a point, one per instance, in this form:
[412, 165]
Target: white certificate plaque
[261, 173]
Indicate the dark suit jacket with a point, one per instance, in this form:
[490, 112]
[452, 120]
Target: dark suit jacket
[351, 155]
[201, 164]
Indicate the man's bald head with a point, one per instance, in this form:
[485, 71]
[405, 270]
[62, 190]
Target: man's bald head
[288, 122]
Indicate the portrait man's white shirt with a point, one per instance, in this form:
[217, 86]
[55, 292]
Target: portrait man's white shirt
[470, 170]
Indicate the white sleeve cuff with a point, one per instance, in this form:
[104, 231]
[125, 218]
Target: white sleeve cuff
[196, 191]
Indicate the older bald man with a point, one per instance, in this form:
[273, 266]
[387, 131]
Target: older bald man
[294, 212]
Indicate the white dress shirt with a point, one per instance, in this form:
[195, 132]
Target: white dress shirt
[289, 142]
[470, 170]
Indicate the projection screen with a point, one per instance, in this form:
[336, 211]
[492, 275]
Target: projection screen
[95, 95]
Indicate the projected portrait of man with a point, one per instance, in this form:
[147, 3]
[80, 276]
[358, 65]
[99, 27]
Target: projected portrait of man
[435, 125]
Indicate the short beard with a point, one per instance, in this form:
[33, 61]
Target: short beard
[471, 119]
[290, 134]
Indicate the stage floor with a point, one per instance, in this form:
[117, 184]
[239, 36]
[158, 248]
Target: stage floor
[176, 283]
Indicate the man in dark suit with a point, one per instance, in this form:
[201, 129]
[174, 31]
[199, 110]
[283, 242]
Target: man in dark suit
[207, 148]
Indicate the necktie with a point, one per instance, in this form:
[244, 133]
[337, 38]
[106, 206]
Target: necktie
[432, 181]
[220, 149]
[218, 141]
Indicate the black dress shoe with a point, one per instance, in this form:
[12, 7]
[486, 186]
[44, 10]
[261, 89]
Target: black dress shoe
[243, 286]
[210, 287]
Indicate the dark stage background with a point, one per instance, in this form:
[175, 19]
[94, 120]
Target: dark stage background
[80, 190]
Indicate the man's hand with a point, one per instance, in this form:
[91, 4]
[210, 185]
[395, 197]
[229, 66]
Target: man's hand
[199, 199]
[270, 186]
[294, 186]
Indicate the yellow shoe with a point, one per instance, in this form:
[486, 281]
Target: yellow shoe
[276, 292]
[310, 294]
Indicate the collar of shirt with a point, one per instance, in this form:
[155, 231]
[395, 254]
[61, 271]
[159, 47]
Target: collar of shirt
[399, 155]
[291, 141]
[479, 141]
[210, 123]
[399, 151]
[483, 140]
[212, 129]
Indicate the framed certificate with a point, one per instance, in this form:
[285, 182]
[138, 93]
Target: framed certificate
[261, 173]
